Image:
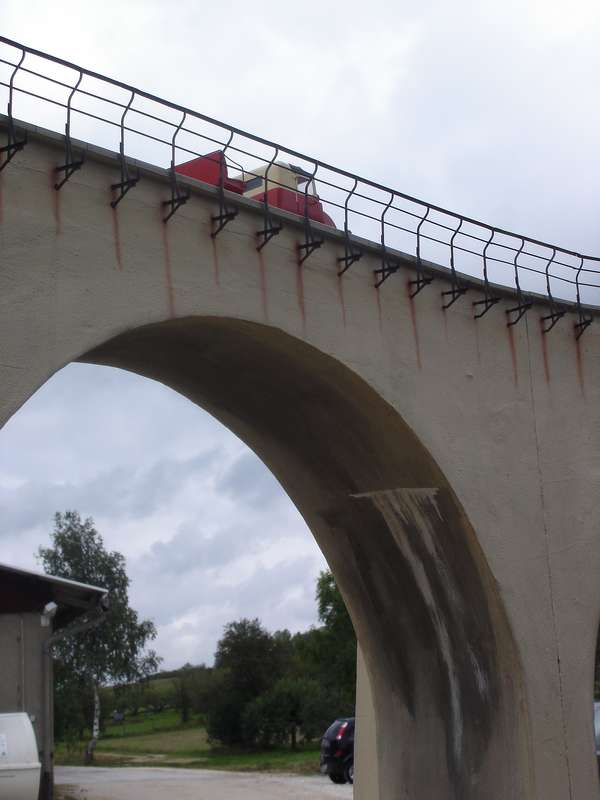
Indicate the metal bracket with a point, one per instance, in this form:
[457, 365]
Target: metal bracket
[454, 293]
[519, 310]
[420, 283]
[580, 326]
[270, 228]
[388, 267]
[178, 198]
[351, 254]
[457, 289]
[552, 319]
[422, 280]
[13, 144]
[226, 213]
[523, 306]
[311, 242]
[487, 303]
[71, 165]
[584, 321]
[126, 183]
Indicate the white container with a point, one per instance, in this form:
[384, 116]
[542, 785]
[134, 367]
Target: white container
[20, 767]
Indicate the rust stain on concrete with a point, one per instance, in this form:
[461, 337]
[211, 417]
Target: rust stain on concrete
[513, 354]
[263, 284]
[580, 372]
[215, 252]
[116, 234]
[477, 343]
[340, 286]
[168, 273]
[379, 309]
[300, 292]
[56, 202]
[545, 352]
[413, 317]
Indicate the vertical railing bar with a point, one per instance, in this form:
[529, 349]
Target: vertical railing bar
[270, 228]
[351, 254]
[70, 166]
[387, 267]
[422, 280]
[555, 313]
[311, 242]
[178, 198]
[13, 145]
[126, 183]
[522, 307]
[457, 290]
[584, 321]
[226, 213]
[489, 300]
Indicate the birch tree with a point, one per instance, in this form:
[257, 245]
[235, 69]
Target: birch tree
[114, 652]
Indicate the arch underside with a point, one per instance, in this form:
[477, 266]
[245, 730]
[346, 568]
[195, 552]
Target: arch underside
[443, 667]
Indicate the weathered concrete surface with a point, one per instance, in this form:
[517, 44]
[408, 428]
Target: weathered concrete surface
[366, 781]
[448, 468]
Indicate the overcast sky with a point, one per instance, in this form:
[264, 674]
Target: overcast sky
[489, 108]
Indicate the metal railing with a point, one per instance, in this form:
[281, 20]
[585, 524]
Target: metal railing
[158, 130]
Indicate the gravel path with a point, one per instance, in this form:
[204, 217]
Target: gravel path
[132, 783]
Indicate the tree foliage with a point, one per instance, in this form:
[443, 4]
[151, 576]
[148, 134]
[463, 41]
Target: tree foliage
[114, 651]
[276, 686]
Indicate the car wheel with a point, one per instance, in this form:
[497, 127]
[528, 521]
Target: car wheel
[335, 778]
[349, 772]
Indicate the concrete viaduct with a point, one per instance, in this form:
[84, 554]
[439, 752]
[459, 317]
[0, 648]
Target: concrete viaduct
[448, 467]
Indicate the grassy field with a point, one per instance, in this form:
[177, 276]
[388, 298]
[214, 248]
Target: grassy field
[159, 722]
[161, 740]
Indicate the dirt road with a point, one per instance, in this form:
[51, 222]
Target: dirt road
[130, 783]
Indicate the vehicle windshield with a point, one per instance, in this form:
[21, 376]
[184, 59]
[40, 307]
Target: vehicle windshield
[332, 729]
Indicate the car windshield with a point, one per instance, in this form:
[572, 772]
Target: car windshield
[332, 729]
[597, 724]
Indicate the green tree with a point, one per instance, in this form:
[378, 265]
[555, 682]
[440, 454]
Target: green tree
[332, 647]
[251, 656]
[292, 707]
[248, 661]
[115, 650]
[184, 686]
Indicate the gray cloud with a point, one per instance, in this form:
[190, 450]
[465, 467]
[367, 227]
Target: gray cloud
[248, 480]
[119, 494]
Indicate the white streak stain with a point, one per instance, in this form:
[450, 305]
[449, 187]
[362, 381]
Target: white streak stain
[399, 508]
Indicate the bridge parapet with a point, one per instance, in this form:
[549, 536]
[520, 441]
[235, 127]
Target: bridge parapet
[370, 216]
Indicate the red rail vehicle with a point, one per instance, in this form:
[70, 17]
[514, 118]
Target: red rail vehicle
[286, 187]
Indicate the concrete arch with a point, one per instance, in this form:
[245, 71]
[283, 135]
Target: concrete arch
[443, 665]
[440, 462]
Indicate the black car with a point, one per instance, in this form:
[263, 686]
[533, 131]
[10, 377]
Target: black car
[337, 751]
